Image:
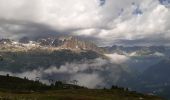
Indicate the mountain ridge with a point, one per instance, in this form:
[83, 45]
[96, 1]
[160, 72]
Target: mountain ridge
[56, 43]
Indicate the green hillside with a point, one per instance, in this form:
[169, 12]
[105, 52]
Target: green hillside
[13, 88]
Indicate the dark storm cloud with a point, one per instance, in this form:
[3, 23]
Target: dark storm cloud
[17, 28]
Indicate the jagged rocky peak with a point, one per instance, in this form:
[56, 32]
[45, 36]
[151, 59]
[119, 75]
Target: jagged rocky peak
[68, 42]
[55, 42]
[5, 41]
[74, 42]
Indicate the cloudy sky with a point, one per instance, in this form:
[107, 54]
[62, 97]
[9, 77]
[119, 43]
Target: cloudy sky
[106, 22]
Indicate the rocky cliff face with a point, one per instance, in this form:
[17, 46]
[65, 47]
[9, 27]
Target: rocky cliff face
[5, 41]
[72, 43]
[27, 54]
[50, 43]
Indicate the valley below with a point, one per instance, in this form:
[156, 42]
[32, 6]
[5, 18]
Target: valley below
[67, 59]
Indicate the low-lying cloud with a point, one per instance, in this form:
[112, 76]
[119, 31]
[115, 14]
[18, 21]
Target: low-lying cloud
[92, 73]
[117, 58]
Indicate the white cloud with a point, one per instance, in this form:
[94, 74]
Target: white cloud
[117, 58]
[89, 73]
[110, 22]
[89, 80]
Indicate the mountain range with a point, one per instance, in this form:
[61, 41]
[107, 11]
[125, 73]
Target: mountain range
[141, 68]
[27, 55]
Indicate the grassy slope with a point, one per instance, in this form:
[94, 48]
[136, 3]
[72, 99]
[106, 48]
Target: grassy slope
[80, 94]
[13, 88]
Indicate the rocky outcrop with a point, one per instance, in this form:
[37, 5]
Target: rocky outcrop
[69, 42]
[51, 43]
[5, 41]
